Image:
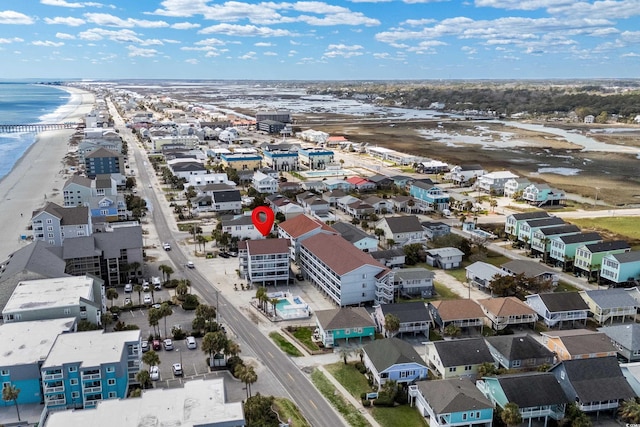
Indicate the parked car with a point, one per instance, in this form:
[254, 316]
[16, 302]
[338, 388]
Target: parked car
[166, 246]
[233, 254]
[168, 344]
[154, 373]
[127, 301]
[155, 281]
[144, 346]
[299, 277]
[191, 343]
[128, 288]
[147, 299]
[224, 255]
[145, 286]
[190, 264]
[177, 369]
[156, 345]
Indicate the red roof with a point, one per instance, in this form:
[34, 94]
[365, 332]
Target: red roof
[302, 224]
[357, 180]
[267, 246]
[338, 254]
[336, 138]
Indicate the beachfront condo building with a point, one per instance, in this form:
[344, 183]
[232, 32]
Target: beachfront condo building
[265, 261]
[53, 223]
[315, 158]
[103, 161]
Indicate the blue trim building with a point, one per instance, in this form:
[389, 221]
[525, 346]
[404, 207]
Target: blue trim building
[429, 196]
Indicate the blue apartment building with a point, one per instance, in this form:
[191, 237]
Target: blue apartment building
[429, 197]
[102, 162]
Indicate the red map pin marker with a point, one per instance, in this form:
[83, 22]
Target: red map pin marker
[262, 218]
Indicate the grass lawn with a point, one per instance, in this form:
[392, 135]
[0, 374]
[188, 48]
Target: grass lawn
[285, 345]
[623, 226]
[348, 411]
[289, 411]
[399, 416]
[186, 226]
[444, 293]
[303, 334]
[460, 274]
[347, 375]
[565, 287]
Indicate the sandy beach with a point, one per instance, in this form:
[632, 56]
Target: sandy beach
[39, 172]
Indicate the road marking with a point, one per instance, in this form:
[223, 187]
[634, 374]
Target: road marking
[270, 355]
[314, 405]
[290, 376]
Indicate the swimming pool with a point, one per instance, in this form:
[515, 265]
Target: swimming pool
[281, 304]
[327, 172]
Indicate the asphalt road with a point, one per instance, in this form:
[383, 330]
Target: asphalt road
[311, 403]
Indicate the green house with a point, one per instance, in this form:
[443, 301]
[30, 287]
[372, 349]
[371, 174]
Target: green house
[345, 323]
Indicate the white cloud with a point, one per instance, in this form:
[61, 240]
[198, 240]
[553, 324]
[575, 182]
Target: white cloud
[107, 20]
[210, 42]
[342, 50]
[122, 36]
[263, 44]
[171, 41]
[630, 55]
[47, 43]
[185, 26]
[152, 42]
[11, 40]
[269, 53]
[70, 21]
[13, 17]
[245, 31]
[248, 55]
[63, 3]
[65, 36]
[192, 61]
[137, 51]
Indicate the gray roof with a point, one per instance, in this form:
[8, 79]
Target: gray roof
[79, 180]
[79, 247]
[227, 196]
[624, 257]
[580, 237]
[110, 243]
[407, 312]
[519, 347]
[424, 185]
[563, 301]
[607, 246]
[612, 298]
[627, 335]
[470, 351]
[587, 343]
[484, 270]
[350, 232]
[528, 268]
[532, 389]
[103, 181]
[597, 379]
[530, 215]
[216, 187]
[378, 178]
[102, 152]
[388, 253]
[544, 222]
[344, 317]
[241, 220]
[453, 395]
[78, 215]
[445, 252]
[391, 351]
[562, 229]
[415, 273]
[188, 166]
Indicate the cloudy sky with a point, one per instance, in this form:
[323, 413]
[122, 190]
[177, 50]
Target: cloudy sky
[357, 39]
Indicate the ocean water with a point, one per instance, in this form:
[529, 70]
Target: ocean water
[24, 103]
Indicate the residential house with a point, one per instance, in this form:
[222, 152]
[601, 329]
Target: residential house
[541, 238]
[512, 222]
[317, 186]
[481, 274]
[507, 312]
[242, 228]
[290, 210]
[626, 339]
[338, 184]
[381, 181]
[432, 166]
[361, 184]
[402, 230]
[392, 359]
[343, 202]
[344, 325]
[289, 187]
[264, 183]
[588, 258]
[515, 186]
[459, 357]
[493, 182]
[299, 228]
[380, 205]
[578, 344]
[414, 282]
[556, 308]
[609, 305]
[199, 181]
[332, 196]
[27, 345]
[82, 297]
[537, 394]
[531, 270]
[197, 403]
[466, 175]
[103, 161]
[315, 205]
[563, 248]
[594, 384]
[445, 258]
[428, 196]
[631, 372]
[218, 198]
[412, 316]
[54, 224]
[451, 403]
[435, 229]
[265, 261]
[392, 258]
[401, 181]
[519, 352]
[358, 238]
[315, 158]
[185, 168]
[542, 194]
[405, 204]
[357, 208]
[100, 367]
[463, 314]
[108, 208]
[343, 272]
[620, 269]
[528, 227]
[77, 190]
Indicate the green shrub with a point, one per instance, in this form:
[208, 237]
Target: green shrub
[173, 283]
[178, 334]
[363, 396]
[190, 302]
[232, 362]
[115, 309]
[366, 403]
[383, 401]
[361, 368]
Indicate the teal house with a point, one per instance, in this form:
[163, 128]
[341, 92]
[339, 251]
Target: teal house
[452, 402]
[344, 324]
[563, 248]
[620, 269]
[429, 196]
[588, 257]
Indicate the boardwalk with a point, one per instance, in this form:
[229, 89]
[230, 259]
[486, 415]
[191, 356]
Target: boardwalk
[36, 127]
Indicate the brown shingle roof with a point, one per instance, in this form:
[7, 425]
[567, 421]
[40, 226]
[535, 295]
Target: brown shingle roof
[450, 310]
[509, 306]
[302, 224]
[338, 254]
[345, 317]
[268, 246]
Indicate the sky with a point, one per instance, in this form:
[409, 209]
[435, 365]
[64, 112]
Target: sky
[320, 40]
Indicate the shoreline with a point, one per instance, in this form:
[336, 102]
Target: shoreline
[38, 173]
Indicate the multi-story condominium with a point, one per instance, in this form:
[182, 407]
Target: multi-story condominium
[346, 274]
[26, 344]
[494, 182]
[242, 162]
[241, 227]
[528, 227]
[188, 141]
[513, 221]
[103, 161]
[281, 157]
[299, 228]
[264, 183]
[101, 366]
[621, 269]
[588, 258]
[563, 248]
[541, 239]
[514, 186]
[428, 196]
[77, 190]
[54, 224]
[81, 297]
[278, 116]
[265, 261]
[315, 158]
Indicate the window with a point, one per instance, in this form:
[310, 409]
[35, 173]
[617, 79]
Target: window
[49, 221]
[50, 235]
[467, 368]
[73, 369]
[4, 372]
[452, 369]
[111, 369]
[75, 395]
[74, 381]
[464, 417]
[112, 395]
[516, 363]
[49, 228]
[111, 381]
[6, 385]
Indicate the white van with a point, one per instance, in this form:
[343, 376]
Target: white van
[157, 285]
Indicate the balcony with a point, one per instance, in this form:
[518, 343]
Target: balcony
[55, 402]
[55, 389]
[97, 389]
[598, 406]
[93, 376]
[51, 377]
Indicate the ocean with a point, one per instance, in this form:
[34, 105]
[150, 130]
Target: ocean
[25, 103]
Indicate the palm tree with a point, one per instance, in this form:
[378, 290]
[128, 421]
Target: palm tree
[250, 378]
[240, 373]
[112, 294]
[138, 288]
[629, 411]
[167, 271]
[181, 290]
[154, 317]
[165, 311]
[452, 330]
[273, 302]
[391, 324]
[213, 343]
[10, 393]
[144, 378]
[511, 414]
[344, 353]
[151, 358]
[493, 203]
[232, 348]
